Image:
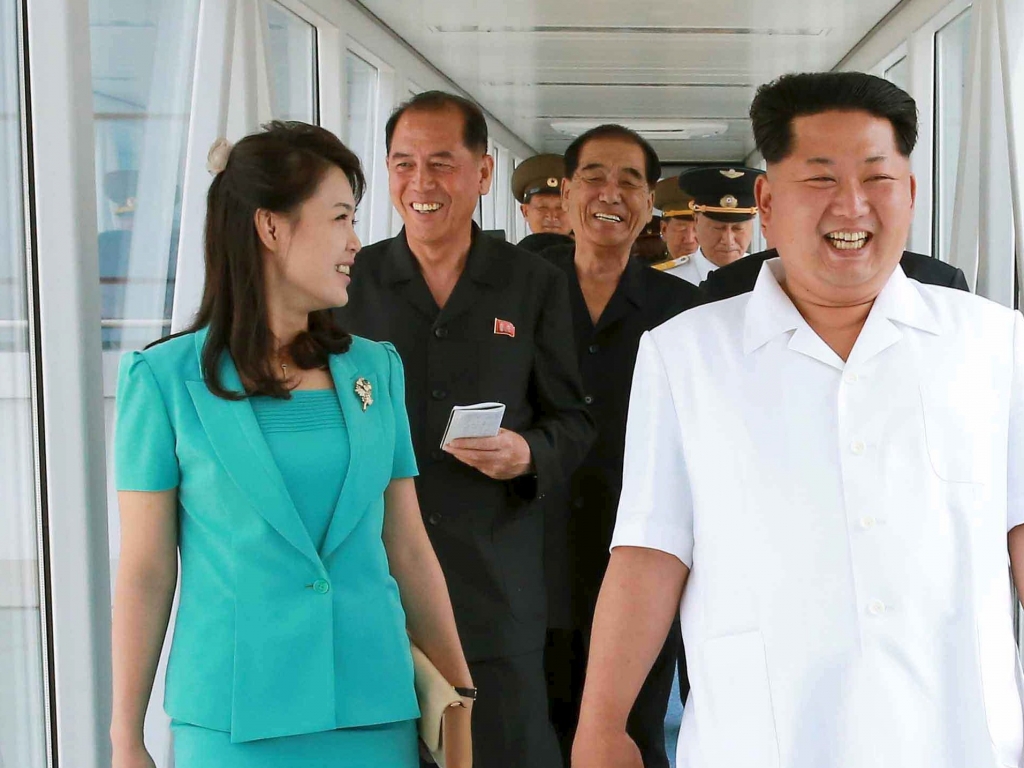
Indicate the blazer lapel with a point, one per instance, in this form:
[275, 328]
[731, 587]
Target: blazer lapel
[238, 442]
[360, 425]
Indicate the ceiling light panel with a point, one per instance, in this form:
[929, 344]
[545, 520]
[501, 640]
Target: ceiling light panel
[555, 29]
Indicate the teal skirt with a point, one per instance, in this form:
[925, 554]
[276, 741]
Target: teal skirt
[392, 745]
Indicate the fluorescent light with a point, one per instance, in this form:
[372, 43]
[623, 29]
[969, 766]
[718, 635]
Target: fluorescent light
[652, 130]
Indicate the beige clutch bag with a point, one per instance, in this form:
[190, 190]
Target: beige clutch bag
[436, 696]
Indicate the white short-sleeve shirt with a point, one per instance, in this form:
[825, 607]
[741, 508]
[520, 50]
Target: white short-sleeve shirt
[848, 604]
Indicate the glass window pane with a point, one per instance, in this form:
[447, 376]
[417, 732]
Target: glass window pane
[952, 48]
[22, 711]
[361, 78]
[291, 53]
[142, 62]
[899, 74]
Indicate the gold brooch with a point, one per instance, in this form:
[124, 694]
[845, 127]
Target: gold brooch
[365, 392]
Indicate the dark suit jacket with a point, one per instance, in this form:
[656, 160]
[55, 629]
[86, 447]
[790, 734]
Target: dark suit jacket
[577, 553]
[488, 534]
[541, 241]
[740, 276]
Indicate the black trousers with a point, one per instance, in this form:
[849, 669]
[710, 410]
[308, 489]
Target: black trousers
[684, 678]
[511, 728]
[565, 660]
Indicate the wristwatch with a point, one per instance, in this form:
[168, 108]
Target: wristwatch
[466, 693]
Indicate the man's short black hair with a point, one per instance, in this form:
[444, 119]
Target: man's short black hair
[652, 169]
[777, 103]
[474, 129]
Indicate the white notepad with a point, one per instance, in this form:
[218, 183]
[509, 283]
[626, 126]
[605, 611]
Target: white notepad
[480, 420]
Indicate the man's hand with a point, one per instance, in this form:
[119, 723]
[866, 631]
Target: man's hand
[502, 457]
[605, 749]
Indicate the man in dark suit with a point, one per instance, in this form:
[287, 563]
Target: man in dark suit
[476, 319]
[740, 276]
[608, 192]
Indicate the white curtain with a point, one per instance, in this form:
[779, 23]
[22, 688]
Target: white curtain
[988, 229]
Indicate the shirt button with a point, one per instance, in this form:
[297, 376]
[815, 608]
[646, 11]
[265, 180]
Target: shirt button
[850, 377]
[321, 586]
[867, 522]
[434, 518]
[857, 447]
[441, 333]
[439, 394]
[593, 349]
[588, 400]
[876, 607]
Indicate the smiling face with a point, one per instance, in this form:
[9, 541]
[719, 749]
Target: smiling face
[680, 236]
[544, 213]
[434, 179]
[308, 253]
[723, 242]
[839, 207]
[608, 198]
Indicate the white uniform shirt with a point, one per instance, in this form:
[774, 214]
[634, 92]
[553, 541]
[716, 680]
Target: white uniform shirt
[695, 269]
[848, 604]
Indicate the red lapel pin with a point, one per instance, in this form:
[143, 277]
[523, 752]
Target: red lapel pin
[504, 328]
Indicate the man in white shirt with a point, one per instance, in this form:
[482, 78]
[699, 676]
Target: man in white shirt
[838, 516]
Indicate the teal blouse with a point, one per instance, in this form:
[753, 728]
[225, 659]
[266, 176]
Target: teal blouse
[308, 440]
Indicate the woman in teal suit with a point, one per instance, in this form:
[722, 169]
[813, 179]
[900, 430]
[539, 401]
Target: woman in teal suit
[271, 450]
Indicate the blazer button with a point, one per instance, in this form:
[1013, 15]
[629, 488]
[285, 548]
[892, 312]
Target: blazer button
[437, 454]
[578, 503]
[593, 349]
[588, 400]
[321, 586]
[439, 394]
[441, 333]
[434, 518]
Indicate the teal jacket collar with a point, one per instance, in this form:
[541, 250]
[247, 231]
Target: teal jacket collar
[238, 442]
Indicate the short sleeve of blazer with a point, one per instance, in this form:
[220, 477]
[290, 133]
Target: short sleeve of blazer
[144, 455]
[405, 458]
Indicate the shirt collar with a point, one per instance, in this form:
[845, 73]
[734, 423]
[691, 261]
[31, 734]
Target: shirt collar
[703, 264]
[770, 312]
[480, 265]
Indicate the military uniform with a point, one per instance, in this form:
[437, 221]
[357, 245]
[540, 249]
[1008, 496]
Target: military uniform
[540, 175]
[673, 204]
[720, 193]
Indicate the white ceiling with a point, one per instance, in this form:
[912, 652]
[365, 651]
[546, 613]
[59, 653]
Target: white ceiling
[534, 63]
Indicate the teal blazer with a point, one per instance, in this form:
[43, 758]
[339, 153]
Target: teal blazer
[272, 638]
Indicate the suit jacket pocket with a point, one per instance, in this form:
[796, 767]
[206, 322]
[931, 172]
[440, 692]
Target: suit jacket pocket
[739, 703]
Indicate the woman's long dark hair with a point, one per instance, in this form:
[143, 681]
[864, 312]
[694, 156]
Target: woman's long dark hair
[277, 170]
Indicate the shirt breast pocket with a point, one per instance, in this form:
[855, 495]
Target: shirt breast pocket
[958, 433]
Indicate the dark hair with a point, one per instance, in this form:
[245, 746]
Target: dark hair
[811, 93]
[652, 165]
[474, 124]
[277, 170]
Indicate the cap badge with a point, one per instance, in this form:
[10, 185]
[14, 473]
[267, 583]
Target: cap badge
[552, 181]
[732, 173]
[729, 202]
